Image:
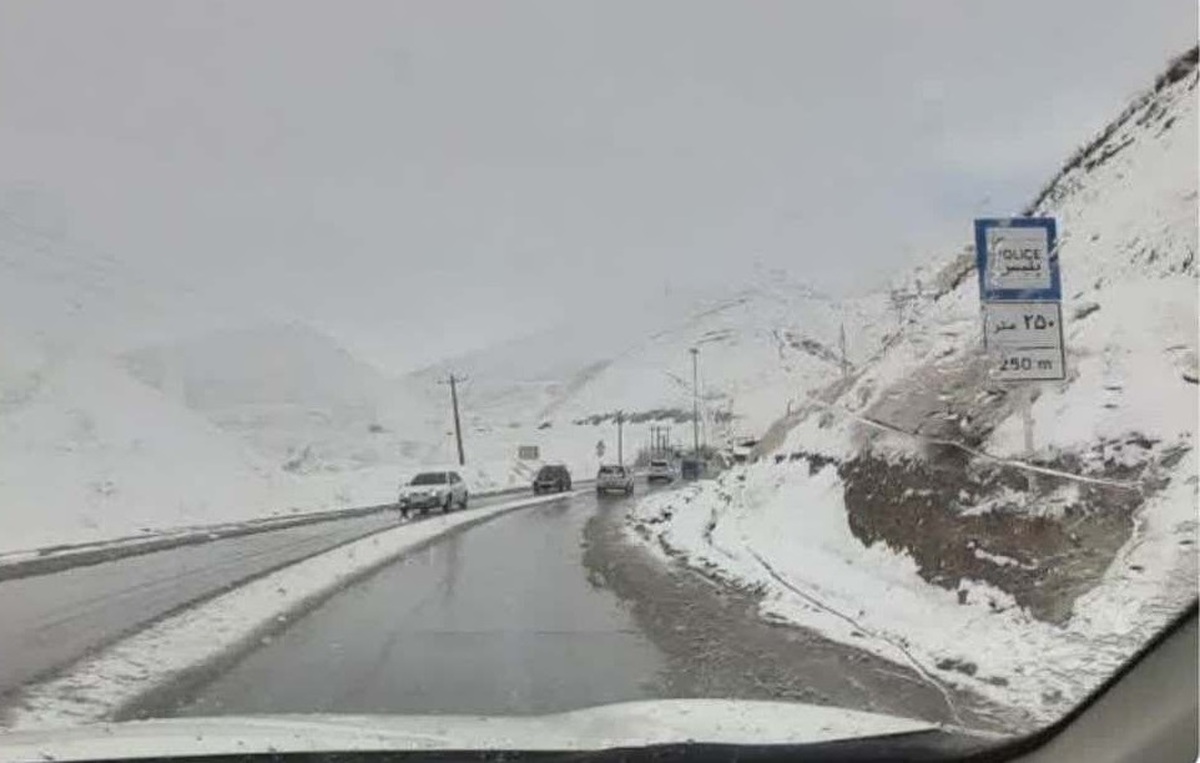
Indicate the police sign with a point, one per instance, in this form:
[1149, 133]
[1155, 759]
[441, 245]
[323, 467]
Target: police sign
[1018, 259]
[1021, 290]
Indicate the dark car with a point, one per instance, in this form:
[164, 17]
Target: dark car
[552, 478]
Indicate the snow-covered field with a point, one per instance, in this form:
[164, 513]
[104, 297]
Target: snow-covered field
[1124, 422]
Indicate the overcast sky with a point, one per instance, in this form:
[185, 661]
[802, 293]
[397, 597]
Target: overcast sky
[421, 178]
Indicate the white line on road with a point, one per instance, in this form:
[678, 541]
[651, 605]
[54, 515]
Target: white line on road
[96, 688]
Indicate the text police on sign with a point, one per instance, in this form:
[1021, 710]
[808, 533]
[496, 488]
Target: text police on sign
[1021, 289]
[1018, 259]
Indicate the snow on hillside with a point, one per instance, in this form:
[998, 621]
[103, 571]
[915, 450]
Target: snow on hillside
[887, 516]
[102, 442]
[290, 393]
[760, 351]
[88, 454]
[204, 423]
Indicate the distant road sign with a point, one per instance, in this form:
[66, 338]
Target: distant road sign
[527, 452]
[1018, 259]
[1024, 340]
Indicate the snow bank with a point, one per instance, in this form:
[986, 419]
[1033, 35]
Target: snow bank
[785, 532]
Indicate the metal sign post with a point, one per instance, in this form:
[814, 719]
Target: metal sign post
[1020, 287]
[1031, 485]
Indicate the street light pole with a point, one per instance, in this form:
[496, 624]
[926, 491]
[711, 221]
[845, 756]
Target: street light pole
[695, 403]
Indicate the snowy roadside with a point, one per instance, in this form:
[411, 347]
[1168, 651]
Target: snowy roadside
[783, 531]
[903, 512]
[100, 686]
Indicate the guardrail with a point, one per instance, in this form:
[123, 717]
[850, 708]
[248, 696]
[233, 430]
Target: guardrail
[47, 560]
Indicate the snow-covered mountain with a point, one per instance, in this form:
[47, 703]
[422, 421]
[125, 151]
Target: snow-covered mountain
[289, 392]
[86, 451]
[761, 349]
[210, 423]
[901, 511]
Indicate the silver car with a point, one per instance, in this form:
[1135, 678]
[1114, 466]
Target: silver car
[429, 490]
[661, 470]
[614, 479]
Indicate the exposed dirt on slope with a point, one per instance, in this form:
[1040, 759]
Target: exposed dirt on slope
[1045, 547]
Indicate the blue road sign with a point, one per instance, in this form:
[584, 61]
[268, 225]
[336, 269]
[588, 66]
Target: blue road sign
[1018, 259]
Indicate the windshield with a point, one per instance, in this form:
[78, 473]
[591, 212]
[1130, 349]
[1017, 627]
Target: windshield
[836, 356]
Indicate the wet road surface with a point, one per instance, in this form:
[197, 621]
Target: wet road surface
[48, 621]
[500, 618]
[547, 609]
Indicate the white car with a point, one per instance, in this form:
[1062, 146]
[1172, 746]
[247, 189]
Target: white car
[429, 490]
[614, 478]
[661, 470]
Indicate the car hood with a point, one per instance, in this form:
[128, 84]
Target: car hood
[628, 724]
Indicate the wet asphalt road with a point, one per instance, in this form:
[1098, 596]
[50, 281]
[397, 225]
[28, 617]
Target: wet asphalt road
[546, 609]
[48, 621]
[500, 618]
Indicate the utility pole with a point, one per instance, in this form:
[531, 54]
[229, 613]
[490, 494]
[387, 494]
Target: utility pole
[457, 426]
[695, 402]
[620, 438]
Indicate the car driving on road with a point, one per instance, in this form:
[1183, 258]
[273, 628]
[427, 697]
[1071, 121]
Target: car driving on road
[428, 490]
[552, 478]
[661, 470]
[614, 479]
